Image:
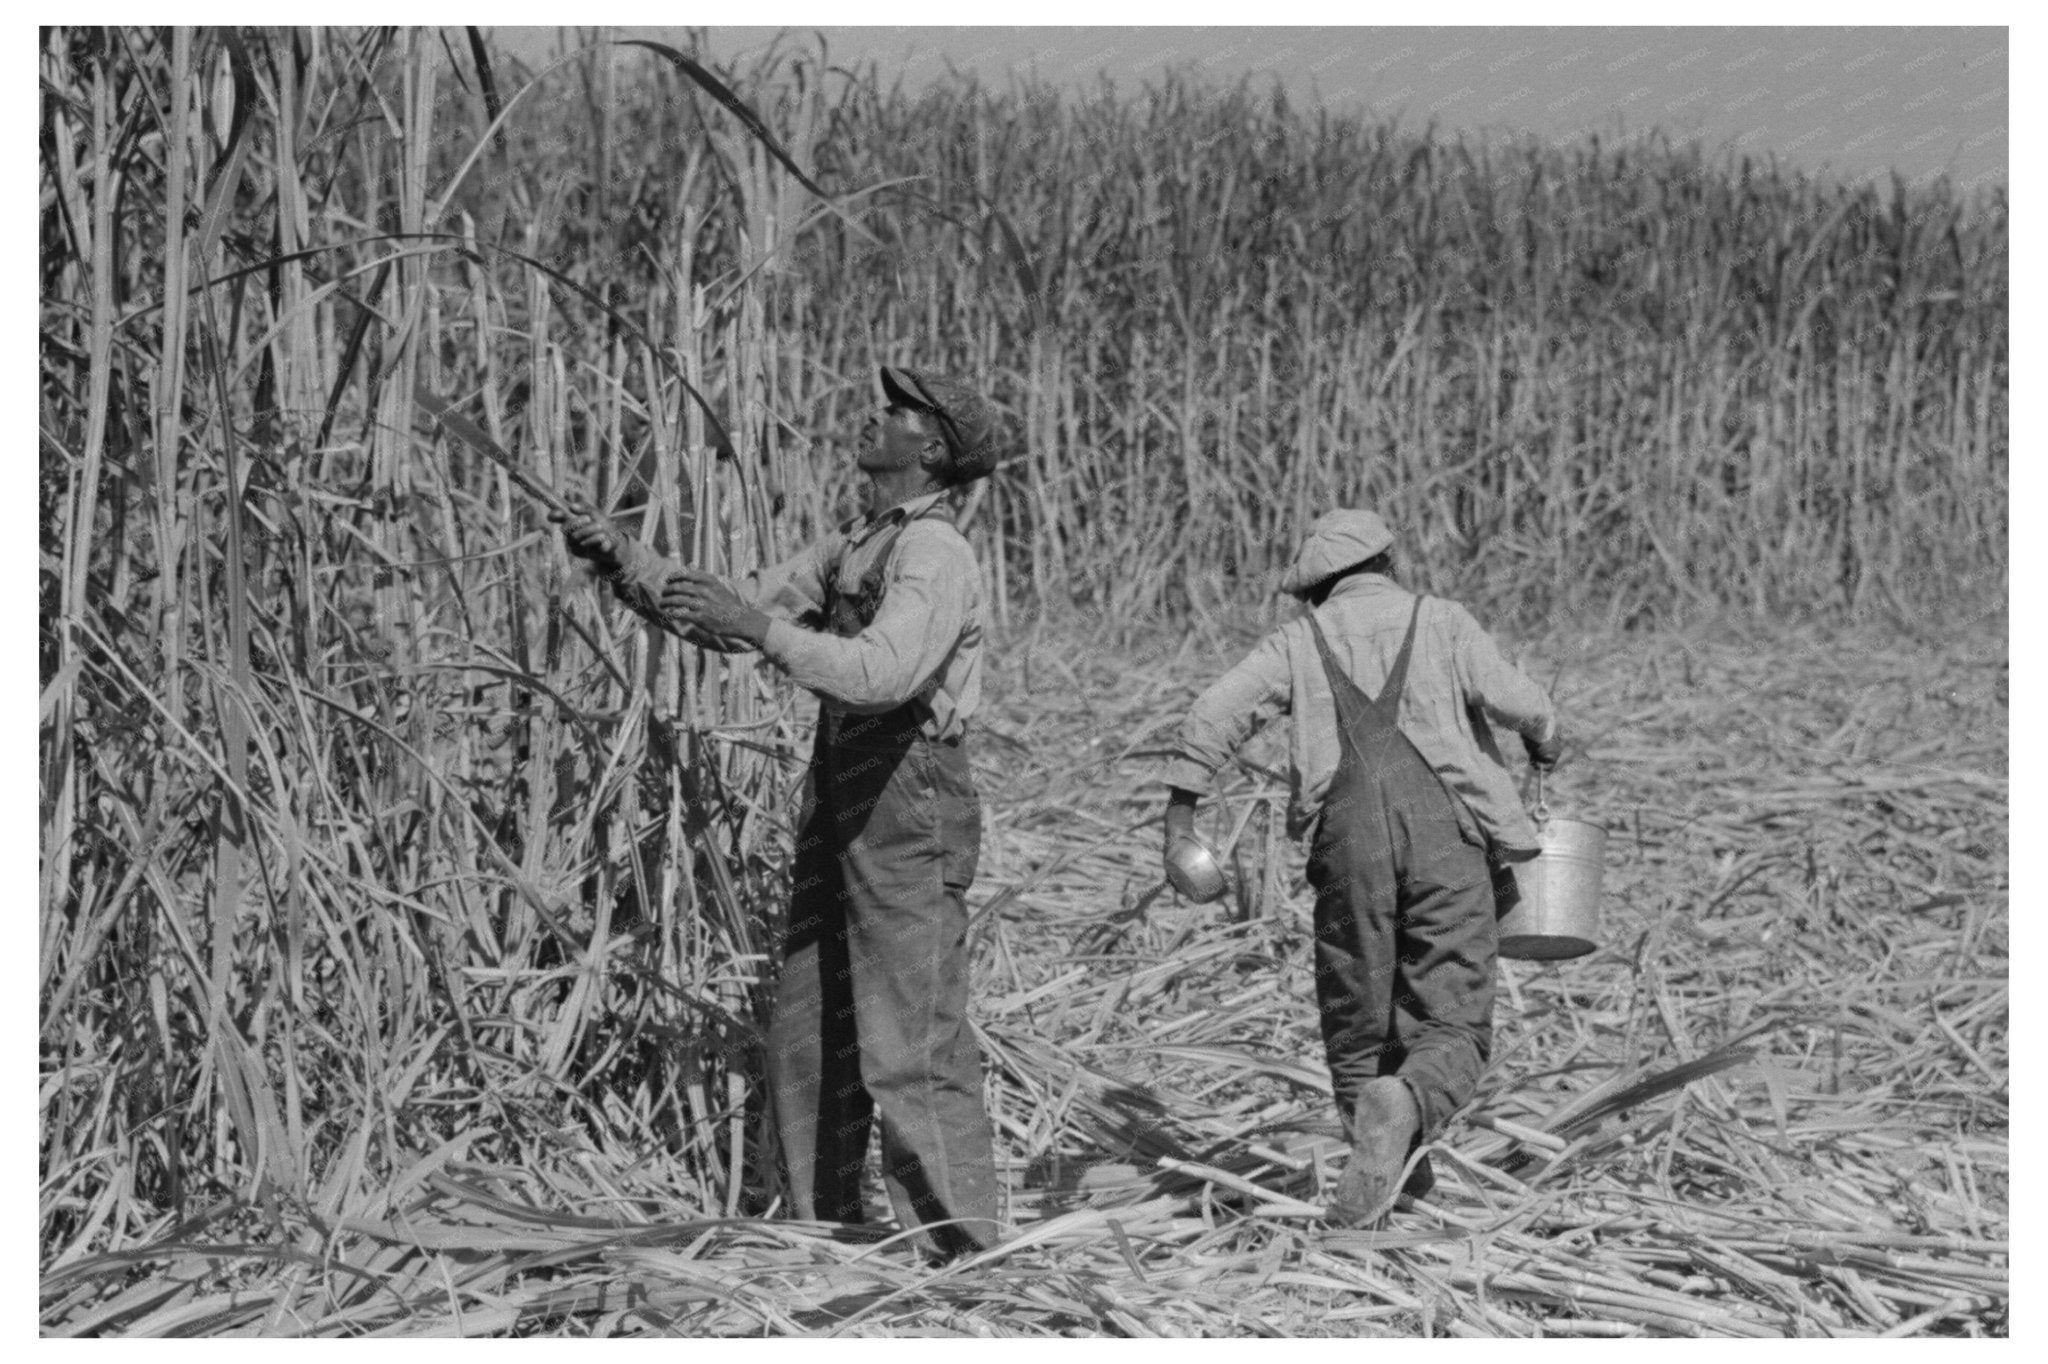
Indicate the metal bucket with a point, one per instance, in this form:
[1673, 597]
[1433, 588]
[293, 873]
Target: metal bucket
[1559, 913]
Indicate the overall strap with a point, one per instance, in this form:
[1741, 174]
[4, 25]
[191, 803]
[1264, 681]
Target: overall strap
[1389, 699]
[1353, 705]
[849, 614]
[1397, 676]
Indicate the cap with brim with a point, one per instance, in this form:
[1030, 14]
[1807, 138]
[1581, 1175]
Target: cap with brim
[1338, 540]
[964, 418]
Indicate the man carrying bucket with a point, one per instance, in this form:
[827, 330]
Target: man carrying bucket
[883, 622]
[1413, 813]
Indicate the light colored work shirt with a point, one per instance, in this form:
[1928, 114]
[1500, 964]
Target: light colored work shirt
[923, 644]
[1457, 682]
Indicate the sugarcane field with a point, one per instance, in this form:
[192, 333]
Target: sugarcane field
[738, 690]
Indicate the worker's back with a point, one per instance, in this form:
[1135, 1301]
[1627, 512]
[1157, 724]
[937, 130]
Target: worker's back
[1456, 678]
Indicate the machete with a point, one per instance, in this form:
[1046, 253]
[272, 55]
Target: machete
[472, 435]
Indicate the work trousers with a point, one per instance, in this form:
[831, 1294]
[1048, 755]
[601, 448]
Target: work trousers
[1404, 918]
[871, 1005]
[1404, 962]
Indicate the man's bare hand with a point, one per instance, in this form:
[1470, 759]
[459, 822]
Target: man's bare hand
[588, 535]
[708, 603]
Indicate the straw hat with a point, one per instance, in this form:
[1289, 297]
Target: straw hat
[1338, 540]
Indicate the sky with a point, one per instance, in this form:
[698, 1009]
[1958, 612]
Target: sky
[1853, 102]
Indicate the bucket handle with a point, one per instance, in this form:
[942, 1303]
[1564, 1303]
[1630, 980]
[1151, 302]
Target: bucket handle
[1542, 805]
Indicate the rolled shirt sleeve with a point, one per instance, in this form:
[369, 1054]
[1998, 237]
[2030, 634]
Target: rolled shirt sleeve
[925, 608]
[793, 590]
[1234, 707]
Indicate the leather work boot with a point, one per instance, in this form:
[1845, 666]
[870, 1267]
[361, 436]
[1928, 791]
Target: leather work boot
[1384, 1124]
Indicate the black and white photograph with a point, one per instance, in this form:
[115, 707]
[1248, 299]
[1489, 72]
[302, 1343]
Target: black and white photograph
[1229, 678]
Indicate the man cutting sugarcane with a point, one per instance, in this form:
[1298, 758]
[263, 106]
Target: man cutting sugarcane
[1413, 813]
[883, 621]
